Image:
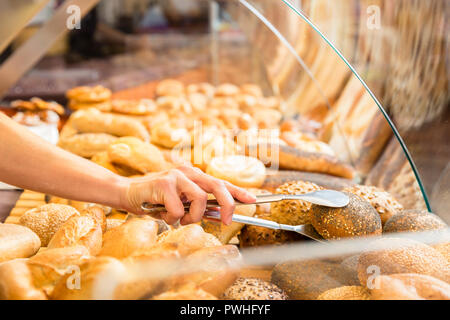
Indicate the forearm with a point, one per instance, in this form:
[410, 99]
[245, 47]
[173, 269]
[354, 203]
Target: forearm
[29, 162]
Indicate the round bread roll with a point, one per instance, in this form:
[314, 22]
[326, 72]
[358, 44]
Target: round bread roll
[89, 94]
[252, 89]
[45, 220]
[16, 282]
[385, 204]
[169, 135]
[253, 289]
[357, 219]
[134, 235]
[204, 88]
[443, 248]
[189, 238]
[413, 221]
[189, 291]
[392, 255]
[306, 280]
[410, 287]
[79, 231]
[104, 106]
[170, 87]
[241, 171]
[226, 89]
[293, 212]
[134, 107]
[346, 293]
[98, 213]
[17, 242]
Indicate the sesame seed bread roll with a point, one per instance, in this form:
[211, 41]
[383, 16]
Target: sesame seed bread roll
[346, 293]
[136, 234]
[293, 212]
[253, 289]
[45, 220]
[357, 219]
[392, 256]
[385, 204]
[79, 231]
[241, 171]
[17, 242]
[414, 221]
[16, 282]
[137, 154]
[410, 287]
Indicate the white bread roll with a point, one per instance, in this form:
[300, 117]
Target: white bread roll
[241, 171]
[45, 220]
[17, 242]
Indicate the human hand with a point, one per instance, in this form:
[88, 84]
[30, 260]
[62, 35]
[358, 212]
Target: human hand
[185, 184]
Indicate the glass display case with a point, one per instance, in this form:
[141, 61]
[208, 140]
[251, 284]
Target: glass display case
[338, 90]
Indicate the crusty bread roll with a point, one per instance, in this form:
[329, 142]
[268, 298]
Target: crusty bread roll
[306, 280]
[304, 143]
[443, 248]
[385, 204]
[16, 282]
[226, 89]
[138, 155]
[189, 238]
[112, 223]
[103, 106]
[17, 242]
[82, 230]
[293, 212]
[134, 235]
[393, 256]
[241, 171]
[410, 287]
[86, 144]
[89, 94]
[189, 291]
[170, 135]
[46, 219]
[413, 221]
[94, 121]
[346, 293]
[252, 89]
[134, 107]
[170, 87]
[98, 213]
[48, 266]
[253, 289]
[226, 233]
[356, 219]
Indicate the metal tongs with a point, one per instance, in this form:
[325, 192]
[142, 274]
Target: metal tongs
[327, 198]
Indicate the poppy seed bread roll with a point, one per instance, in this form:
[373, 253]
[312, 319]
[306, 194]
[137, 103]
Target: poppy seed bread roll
[17, 242]
[45, 220]
[293, 212]
[357, 219]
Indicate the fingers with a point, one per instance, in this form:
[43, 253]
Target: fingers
[173, 205]
[240, 194]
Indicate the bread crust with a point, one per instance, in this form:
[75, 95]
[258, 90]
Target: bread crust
[17, 242]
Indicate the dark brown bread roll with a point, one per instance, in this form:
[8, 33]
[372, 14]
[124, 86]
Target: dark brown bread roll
[413, 221]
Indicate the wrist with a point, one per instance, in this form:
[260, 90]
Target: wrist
[121, 186]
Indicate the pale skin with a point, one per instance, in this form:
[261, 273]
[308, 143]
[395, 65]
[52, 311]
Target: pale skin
[31, 163]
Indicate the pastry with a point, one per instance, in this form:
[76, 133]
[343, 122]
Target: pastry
[189, 291]
[87, 144]
[170, 87]
[252, 89]
[17, 242]
[392, 256]
[103, 106]
[94, 121]
[134, 107]
[226, 90]
[346, 293]
[293, 212]
[89, 94]
[46, 219]
[241, 171]
[253, 289]
[410, 286]
[385, 204]
[357, 219]
[170, 135]
[413, 221]
[204, 88]
[304, 143]
[136, 154]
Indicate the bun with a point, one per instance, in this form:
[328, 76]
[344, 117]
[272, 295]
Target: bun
[48, 266]
[410, 287]
[394, 256]
[79, 231]
[112, 223]
[306, 280]
[226, 233]
[45, 220]
[134, 107]
[103, 106]
[98, 213]
[346, 293]
[253, 289]
[226, 90]
[138, 155]
[241, 171]
[169, 135]
[385, 204]
[187, 292]
[189, 238]
[170, 87]
[413, 221]
[16, 282]
[134, 235]
[94, 121]
[17, 242]
[86, 144]
[357, 219]
[293, 212]
[89, 94]
[252, 89]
